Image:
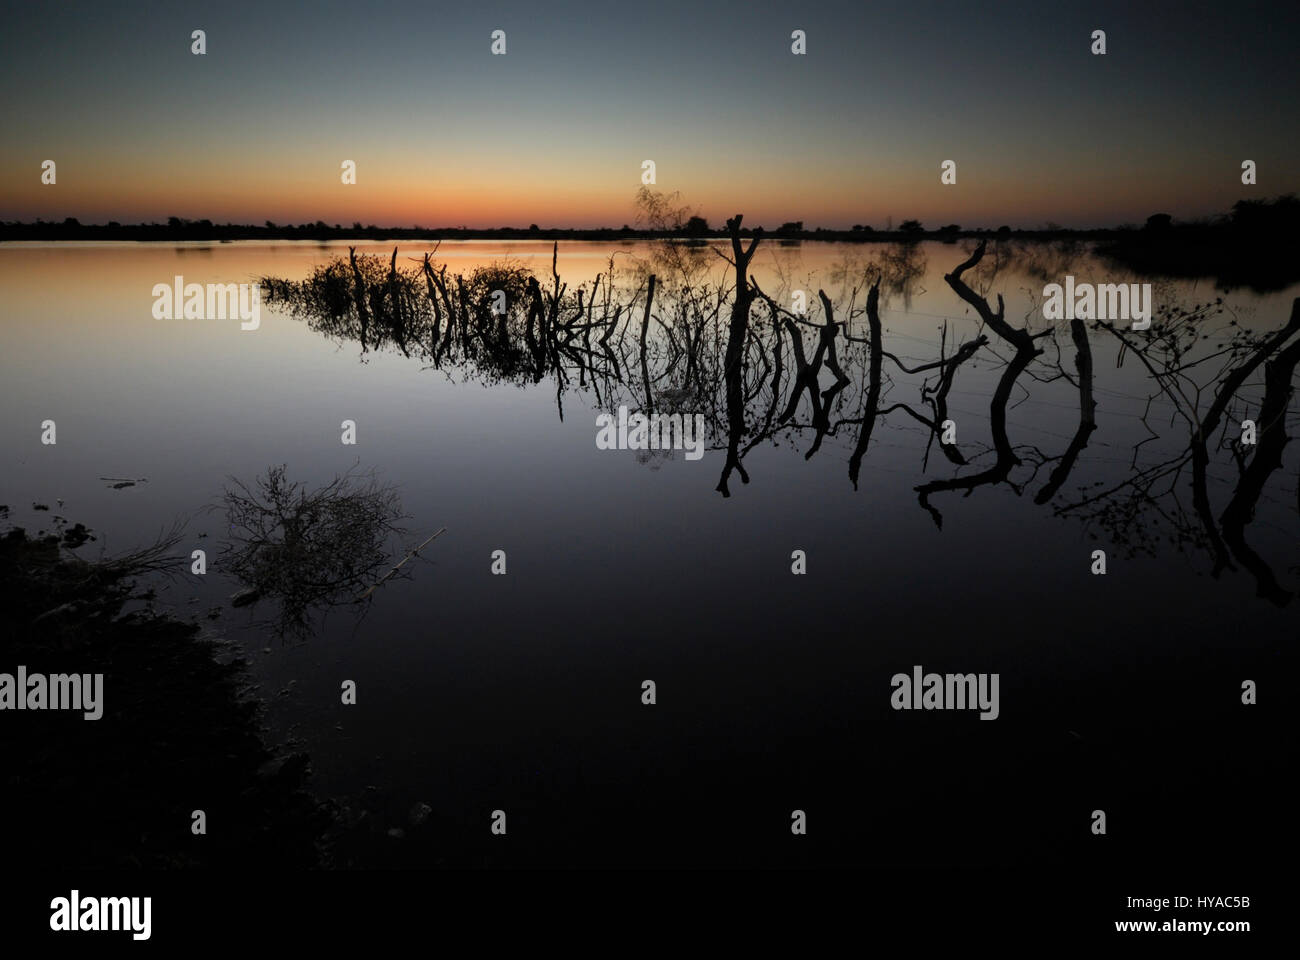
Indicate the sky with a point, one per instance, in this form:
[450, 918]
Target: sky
[444, 133]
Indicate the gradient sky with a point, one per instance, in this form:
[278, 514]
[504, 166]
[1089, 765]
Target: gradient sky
[554, 132]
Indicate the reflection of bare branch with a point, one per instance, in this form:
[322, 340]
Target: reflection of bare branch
[1267, 458]
[1200, 455]
[1025, 352]
[873, 384]
[1087, 413]
[738, 330]
[401, 563]
[155, 558]
[939, 401]
[777, 364]
[307, 549]
[654, 337]
[1121, 507]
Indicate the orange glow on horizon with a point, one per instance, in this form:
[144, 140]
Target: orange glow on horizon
[406, 189]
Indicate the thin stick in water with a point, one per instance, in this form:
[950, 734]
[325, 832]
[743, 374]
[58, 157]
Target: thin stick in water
[399, 565]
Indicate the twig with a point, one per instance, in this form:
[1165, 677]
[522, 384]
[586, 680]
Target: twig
[403, 560]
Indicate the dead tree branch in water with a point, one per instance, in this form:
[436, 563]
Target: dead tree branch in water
[1025, 352]
[305, 548]
[1087, 413]
[738, 330]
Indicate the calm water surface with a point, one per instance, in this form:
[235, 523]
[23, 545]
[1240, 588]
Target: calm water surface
[522, 692]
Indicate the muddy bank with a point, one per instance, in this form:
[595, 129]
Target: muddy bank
[180, 730]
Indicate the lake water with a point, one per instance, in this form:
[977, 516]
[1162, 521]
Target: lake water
[479, 692]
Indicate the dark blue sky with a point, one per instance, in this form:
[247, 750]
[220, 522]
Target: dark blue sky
[555, 131]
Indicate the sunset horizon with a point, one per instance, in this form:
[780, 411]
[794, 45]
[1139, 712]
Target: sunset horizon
[827, 440]
[443, 132]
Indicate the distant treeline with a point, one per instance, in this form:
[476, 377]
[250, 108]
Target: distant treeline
[177, 228]
[1253, 246]
[1255, 222]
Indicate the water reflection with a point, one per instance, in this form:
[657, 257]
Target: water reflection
[303, 552]
[680, 330]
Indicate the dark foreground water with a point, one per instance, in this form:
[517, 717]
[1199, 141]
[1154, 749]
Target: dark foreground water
[522, 692]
